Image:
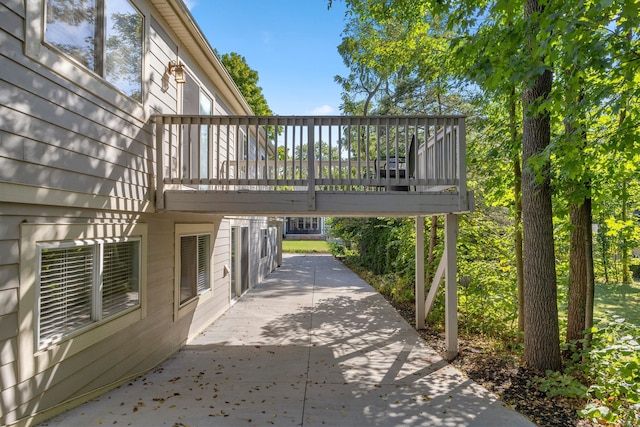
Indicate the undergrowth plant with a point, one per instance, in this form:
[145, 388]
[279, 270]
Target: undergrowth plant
[606, 373]
[612, 364]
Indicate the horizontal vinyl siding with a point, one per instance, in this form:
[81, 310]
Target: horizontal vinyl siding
[59, 135]
[54, 134]
[11, 19]
[219, 303]
[131, 351]
[161, 51]
[8, 276]
[9, 246]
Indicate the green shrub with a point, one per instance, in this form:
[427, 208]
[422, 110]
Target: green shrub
[612, 364]
[561, 384]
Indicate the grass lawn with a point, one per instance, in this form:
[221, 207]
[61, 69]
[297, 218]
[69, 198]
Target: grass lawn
[618, 299]
[305, 246]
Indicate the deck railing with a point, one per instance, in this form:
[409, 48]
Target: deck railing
[295, 153]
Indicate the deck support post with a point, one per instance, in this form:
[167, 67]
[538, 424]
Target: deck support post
[159, 190]
[451, 296]
[419, 292]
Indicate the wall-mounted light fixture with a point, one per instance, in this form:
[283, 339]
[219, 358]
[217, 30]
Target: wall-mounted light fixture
[177, 69]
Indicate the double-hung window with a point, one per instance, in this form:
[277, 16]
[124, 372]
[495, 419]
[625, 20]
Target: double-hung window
[82, 283]
[195, 266]
[105, 36]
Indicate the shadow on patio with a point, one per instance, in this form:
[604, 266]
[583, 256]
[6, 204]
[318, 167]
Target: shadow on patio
[311, 345]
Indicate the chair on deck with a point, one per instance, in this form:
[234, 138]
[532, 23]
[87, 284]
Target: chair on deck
[393, 164]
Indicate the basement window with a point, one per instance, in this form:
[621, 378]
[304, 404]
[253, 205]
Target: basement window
[195, 266]
[84, 283]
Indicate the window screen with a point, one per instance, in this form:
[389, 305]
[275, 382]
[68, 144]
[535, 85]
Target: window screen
[66, 282]
[194, 266]
[83, 283]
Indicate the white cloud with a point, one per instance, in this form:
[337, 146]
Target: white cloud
[190, 4]
[323, 110]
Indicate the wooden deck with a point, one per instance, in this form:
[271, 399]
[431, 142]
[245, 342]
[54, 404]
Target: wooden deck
[262, 165]
[324, 166]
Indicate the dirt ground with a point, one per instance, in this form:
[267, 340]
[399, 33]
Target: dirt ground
[502, 373]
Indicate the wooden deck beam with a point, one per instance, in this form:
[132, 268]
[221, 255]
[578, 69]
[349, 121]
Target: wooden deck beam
[288, 203]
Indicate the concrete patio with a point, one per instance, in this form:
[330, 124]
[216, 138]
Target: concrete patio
[312, 345]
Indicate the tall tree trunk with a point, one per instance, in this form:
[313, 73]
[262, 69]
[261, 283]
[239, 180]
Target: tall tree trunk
[541, 339]
[577, 296]
[603, 239]
[624, 250]
[579, 218]
[588, 321]
[624, 246]
[517, 214]
[517, 225]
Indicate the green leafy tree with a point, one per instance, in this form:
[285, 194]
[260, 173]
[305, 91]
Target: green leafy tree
[246, 79]
[581, 126]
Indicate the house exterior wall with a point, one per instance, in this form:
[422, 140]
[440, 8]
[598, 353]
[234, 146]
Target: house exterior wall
[77, 163]
[305, 226]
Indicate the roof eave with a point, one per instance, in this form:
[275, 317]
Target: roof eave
[180, 20]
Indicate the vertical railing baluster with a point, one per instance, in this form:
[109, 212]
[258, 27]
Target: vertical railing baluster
[195, 149]
[256, 157]
[171, 169]
[349, 155]
[214, 169]
[359, 137]
[320, 174]
[159, 127]
[311, 163]
[447, 149]
[286, 149]
[437, 151]
[181, 163]
[275, 151]
[366, 147]
[246, 149]
[265, 173]
[338, 136]
[445, 160]
[227, 157]
[392, 127]
[330, 153]
[462, 164]
[300, 173]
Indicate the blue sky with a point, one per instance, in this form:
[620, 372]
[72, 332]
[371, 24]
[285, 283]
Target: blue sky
[292, 44]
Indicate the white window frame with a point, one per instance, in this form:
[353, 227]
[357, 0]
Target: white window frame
[183, 230]
[70, 69]
[95, 304]
[34, 360]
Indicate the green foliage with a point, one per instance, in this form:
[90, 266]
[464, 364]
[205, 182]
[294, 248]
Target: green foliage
[487, 292]
[246, 79]
[560, 384]
[408, 56]
[384, 252]
[385, 248]
[604, 374]
[385, 245]
[612, 364]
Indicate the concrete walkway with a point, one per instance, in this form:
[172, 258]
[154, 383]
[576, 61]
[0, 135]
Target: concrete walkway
[313, 345]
